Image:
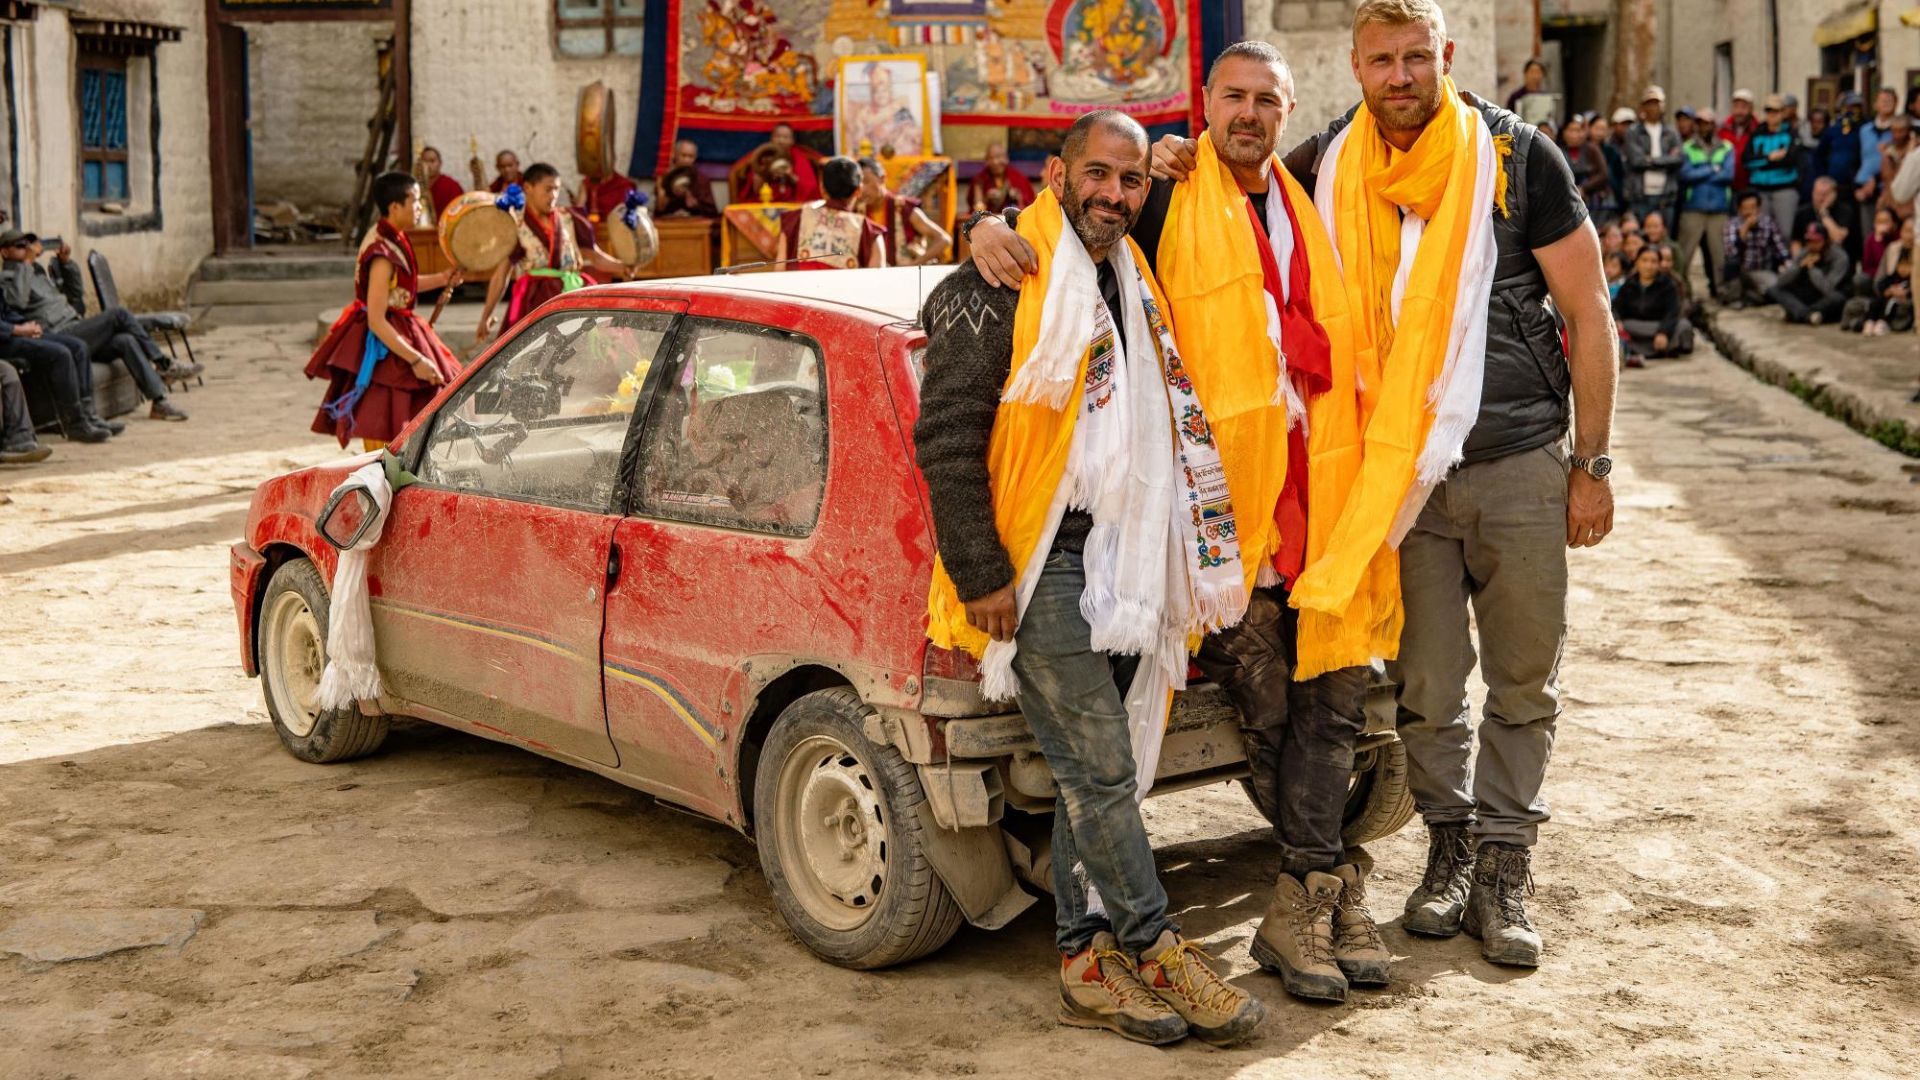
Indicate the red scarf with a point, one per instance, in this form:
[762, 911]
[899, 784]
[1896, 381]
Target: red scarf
[1309, 359]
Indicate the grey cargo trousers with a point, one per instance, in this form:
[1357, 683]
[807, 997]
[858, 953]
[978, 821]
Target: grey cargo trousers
[1493, 535]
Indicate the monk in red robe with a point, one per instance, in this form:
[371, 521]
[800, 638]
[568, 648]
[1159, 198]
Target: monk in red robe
[439, 188]
[382, 362]
[998, 185]
[606, 196]
[556, 253]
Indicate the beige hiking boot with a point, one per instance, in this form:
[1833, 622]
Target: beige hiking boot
[1295, 939]
[1357, 947]
[1099, 988]
[1216, 1011]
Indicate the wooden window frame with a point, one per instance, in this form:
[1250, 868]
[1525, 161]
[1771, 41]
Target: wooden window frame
[90, 60]
[607, 21]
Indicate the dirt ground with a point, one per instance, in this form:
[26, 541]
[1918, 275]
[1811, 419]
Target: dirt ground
[1728, 887]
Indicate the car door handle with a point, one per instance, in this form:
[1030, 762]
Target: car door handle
[613, 566]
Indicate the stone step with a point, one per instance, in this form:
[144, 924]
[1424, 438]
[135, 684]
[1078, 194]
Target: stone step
[321, 292]
[264, 314]
[307, 264]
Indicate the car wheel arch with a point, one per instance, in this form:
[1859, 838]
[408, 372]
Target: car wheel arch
[276, 554]
[769, 701]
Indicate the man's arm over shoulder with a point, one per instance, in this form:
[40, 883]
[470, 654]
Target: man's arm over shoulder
[969, 328]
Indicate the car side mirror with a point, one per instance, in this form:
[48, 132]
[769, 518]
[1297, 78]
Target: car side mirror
[349, 513]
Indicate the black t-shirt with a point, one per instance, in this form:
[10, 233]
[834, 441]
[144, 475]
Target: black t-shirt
[1153, 218]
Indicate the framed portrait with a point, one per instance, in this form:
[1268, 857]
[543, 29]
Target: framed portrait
[883, 102]
[1823, 92]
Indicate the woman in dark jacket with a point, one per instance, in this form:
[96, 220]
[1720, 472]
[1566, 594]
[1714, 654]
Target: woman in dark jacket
[1589, 167]
[1647, 309]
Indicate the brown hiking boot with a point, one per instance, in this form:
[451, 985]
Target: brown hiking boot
[1357, 947]
[1099, 988]
[1216, 1011]
[1295, 939]
[1497, 909]
[1436, 905]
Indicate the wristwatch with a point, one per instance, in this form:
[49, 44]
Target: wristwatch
[966, 227]
[1597, 466]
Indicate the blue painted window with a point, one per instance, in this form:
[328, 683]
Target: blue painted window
[103, 130]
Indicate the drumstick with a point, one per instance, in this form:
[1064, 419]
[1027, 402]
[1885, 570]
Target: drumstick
[439, 305]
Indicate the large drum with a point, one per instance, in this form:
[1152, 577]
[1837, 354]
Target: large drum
[635, 247]
[477, 235]
[593, 131]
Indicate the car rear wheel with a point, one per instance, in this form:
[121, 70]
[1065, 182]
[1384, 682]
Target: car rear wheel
[840, 840]
[293, 653]
[1379, 802]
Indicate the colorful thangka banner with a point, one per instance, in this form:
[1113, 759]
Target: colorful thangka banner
[745, 65]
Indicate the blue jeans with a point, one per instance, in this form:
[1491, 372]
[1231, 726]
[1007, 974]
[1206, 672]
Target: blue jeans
[1074, 700]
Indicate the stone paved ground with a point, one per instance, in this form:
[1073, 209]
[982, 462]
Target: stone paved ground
[1729, 887]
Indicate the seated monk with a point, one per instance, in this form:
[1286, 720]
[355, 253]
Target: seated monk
[439, 189]
[507, 164]
[830, 233]
[998, 185]
[604, 197]
[789, 171]
[681, 191]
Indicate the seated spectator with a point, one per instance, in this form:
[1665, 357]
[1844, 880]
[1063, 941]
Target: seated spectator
[1611, 238]
[1653, 227]
[1647, 309]
[17, 445]
[682, 192]
[1814, 287]
[1883, 237]
[1616, 266]
[438, 188]
[1667, 258]
[998, 185]
[506, 166]
[1755, 253]
[31, 290]
[1632, 245]
[1890, 308]
[606, 196]
[1826, 209]
[61, 365]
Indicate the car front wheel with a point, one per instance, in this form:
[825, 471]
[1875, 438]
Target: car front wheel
[293, 653]
[840, 840]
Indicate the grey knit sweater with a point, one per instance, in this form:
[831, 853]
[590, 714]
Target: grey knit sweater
[969, 328]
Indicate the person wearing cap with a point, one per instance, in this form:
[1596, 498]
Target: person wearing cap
[1814, 287]
[1706, 197]
[1736, 129]
[1873, 138]
[1653, 158]
[1773, 165]
[1838, 154]
[1683, 123]
[31, 289]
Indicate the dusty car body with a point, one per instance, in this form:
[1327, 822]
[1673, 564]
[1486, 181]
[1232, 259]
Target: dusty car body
[673, 534]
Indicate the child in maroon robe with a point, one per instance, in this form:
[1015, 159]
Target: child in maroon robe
[382, 362]
[557, 253]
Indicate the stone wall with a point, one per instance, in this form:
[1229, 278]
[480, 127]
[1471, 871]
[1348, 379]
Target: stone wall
[152, 265]
[486, 70]
[312, 89]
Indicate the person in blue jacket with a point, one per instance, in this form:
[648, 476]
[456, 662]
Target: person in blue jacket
[1707, 164]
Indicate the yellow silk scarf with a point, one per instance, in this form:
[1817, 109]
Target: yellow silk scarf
[1399, 360]
[1211, 272]
[1027, 455]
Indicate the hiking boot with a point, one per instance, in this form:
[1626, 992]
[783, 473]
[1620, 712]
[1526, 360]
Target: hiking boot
[1099, 988]
[1357, 948]
[166, 410]
[75, 427]
[91, 413]
[1496, 909]
[1295, 939]
[25, 455]
[1435, 907]
[1216, 1011]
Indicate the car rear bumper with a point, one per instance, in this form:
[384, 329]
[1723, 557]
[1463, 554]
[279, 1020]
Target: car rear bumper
[245, 570]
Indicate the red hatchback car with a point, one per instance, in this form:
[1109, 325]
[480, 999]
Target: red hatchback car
[673, 533]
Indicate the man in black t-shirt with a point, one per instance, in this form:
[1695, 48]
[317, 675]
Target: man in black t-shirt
[1496, 530]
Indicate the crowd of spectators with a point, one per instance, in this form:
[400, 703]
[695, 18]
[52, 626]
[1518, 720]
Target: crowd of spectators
[1815, 215]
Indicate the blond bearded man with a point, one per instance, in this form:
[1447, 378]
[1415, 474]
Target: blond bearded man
[1494, 530]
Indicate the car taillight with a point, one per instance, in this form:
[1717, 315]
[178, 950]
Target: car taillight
[950, 664]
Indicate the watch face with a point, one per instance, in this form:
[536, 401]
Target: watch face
[1599, 467]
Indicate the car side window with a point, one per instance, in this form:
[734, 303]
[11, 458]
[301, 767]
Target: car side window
[547, 419]
[737, 435]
